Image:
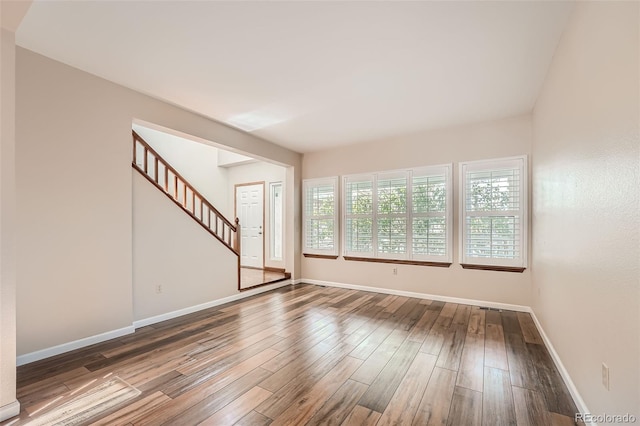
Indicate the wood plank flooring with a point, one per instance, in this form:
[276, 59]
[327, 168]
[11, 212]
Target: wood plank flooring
[311, 355]
[251, 277]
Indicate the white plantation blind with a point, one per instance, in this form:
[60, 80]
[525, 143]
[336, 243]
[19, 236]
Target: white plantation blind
[494, 226]
[399, 214]
[358, 224]
[430, 214]
[391, 217]
[320, 212]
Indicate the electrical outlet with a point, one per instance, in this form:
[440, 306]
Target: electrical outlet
[159, 288]
[605, 376]
[395, 271]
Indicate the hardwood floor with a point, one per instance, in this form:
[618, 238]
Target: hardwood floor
[306, 354]
[250, 277]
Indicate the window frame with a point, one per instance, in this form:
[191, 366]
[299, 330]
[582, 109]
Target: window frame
[345, 216]
[493, 263]
[313, 183]
[448, 213]
[273, 236]
[409, 257]
[377, 215]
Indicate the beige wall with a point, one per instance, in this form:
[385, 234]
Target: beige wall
[11, 14]
[503, 138]
[586, 280]
[8, 404]
[74, 196]
[191, 266]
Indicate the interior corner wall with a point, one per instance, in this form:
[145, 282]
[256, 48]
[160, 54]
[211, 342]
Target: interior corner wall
[503, 138]
[586, 204]
[293, 228]
[74, 196]
[8, 403]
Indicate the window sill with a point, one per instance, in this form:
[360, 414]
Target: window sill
[493, 268]
[320, 256]
[399, 261]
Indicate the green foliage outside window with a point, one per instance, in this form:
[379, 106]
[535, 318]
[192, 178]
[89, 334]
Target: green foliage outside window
[320, 222]
[428, 229]
[494, 236]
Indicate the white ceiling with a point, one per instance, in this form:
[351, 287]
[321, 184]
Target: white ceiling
[311, 75]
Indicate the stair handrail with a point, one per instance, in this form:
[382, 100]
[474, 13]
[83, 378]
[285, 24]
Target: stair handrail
[230, 233]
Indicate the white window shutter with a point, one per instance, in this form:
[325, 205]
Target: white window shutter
[320, 216]
[358, 224]
[494, 212]
[399, 215]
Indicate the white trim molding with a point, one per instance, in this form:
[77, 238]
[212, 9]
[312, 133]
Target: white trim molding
[191, 309]
[102, 337]
[70, 346]
[9, 410]
[449, 299]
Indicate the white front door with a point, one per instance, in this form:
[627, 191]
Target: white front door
[250, 211]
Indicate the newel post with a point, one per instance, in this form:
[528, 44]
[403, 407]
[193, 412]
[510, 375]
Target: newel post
[238, 236]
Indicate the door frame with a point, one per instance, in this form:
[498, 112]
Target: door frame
[235, 215]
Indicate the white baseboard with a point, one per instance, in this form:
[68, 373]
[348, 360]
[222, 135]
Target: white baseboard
[9, 410]
[577, 398]
[99, 338]
[449, 299]
[70, 346]
[191, 309]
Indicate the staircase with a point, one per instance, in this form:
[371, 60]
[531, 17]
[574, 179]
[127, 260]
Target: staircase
[157, 171]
